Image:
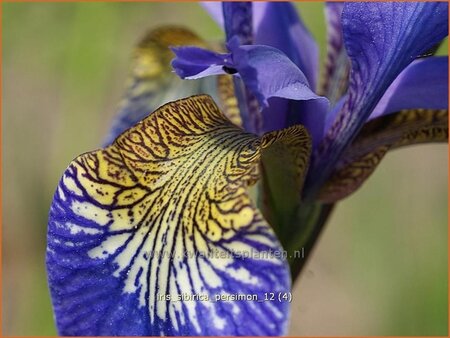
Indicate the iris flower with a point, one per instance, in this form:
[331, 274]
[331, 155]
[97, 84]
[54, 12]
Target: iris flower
[160, 232]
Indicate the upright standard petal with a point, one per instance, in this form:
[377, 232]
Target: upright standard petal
[281, 27]
[238, 21]
[381, 40]
[337, 64]
[268, 72]
[311, 114]
[278, 25]
[275, 24]
[156, 234]
[215, 10]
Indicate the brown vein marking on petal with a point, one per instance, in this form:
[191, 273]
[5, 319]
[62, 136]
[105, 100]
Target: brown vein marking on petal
[385, 133]
[284, 166]
[228, 100]
[174, 183]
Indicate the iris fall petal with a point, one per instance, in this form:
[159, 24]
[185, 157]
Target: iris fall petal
[381, 39]
[163, 212]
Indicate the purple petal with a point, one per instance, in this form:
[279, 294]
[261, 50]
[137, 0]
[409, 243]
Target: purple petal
[310, 114]
[278, 25]
[274, 24]
[238, 21]
[281, 27]
[215, 10]
[284, 112]
[423, 84]
[267, 72]
[193, 62]
[381, 40]
[331, 115]
[131, 230]
[337, 64]
[275, 114]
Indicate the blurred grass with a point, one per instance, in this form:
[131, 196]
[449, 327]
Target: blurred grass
[380, 267]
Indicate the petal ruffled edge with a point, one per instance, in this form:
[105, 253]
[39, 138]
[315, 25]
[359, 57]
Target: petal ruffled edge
[123, 218]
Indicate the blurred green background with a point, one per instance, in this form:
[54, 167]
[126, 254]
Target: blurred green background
[380, 267]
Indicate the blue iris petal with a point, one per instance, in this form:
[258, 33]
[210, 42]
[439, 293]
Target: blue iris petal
[215, 10]
[311, 114]
[123, 238]
[337, 63]
[381, 40]
[423, 84]
[281, 27]
[266, 71]
[278, 25]
[91, 298]
[193, 62]
[238, 21]
[87, 298]
[275, 24]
